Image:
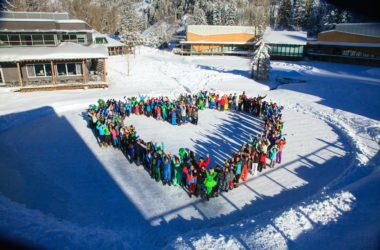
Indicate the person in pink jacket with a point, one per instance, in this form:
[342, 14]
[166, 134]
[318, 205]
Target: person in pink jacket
[114, 135]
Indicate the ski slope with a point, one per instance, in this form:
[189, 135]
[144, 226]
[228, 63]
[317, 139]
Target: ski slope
[59, 190]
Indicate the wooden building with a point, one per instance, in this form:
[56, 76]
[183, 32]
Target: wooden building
[218, 40]
[355, 43]
[38, 48]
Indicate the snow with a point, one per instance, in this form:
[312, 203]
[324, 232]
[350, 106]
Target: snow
[285, 37]
[63, 51]
[59, 190]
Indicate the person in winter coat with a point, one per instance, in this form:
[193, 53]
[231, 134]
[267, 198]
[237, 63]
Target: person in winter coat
[167, 169]
[244, 171]
[281, 143]
[131, 152]
[226, 178]
[222, 103]
[200, 180]
[191, 179]
[108, 135]
[273, 154]
[262, 161]
[156, 164]
[202, 163]
[174, 119]
[100, 129]
[210, 181]
[195, 116]
[225, 102]
[114, 136]
[238, 167]
[177, 173]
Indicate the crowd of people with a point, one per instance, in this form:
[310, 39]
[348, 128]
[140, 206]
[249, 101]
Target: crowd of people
[185, 169]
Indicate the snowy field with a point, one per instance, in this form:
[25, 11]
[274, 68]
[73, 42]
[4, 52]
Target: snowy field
[59, 190]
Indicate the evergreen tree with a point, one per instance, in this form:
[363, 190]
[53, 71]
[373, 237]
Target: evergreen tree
[199, 15]
[231, 13]
[129, 26]
[285, 14]
[217, 13]
[299, 14]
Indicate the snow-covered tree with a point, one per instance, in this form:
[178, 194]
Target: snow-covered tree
[260, 64]
[299, 14]
[285, 14]
[129, 26]
[231, 13]
[199, 15]
[217, 13]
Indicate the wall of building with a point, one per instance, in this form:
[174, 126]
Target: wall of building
[336, 36]
[10, 72]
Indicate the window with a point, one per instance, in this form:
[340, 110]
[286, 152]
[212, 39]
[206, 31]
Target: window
[49, 39]
[81, 38]
[26, 39]
[4, 40]
[100, 40]
[38, 70]
[14, 39]
[37, 39]
[69, 69]
[61, 69]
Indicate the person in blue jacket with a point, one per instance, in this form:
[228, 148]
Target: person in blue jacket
[174, 119]
[238, 167]
[167, 169]
[100, 127]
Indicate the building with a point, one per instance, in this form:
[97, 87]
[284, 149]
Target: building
[48, 49]
[356, 43]
[218, 40]
[285, 45]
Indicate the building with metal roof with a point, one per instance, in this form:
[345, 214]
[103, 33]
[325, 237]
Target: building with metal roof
[357, 43]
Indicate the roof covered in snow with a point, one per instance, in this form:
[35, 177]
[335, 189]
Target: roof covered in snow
[64, 51]
[211, 42]
[364, 29]
[111, 42]
[219, 29]
[285, 37]
[36, 15]
[12, 21]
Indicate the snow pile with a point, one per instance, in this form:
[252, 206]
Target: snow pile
[272, 232]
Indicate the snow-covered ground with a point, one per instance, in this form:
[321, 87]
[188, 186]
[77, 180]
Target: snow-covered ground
[58, 189]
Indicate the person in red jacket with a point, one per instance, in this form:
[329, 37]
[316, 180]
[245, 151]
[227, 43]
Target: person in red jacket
[222, 102]
[201, 162]
[191, 179]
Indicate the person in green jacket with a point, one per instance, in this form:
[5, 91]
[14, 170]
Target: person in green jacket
[211, 181]
[108, 136]
[177, 177]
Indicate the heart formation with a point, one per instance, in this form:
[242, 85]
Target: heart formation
[184, 169]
